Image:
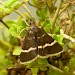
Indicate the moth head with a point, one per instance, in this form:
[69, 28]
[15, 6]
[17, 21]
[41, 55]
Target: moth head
[33, 27]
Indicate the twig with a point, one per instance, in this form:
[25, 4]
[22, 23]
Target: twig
[24, 1]
[55, 68]
[27, 11]
[65, 7]
[21, 16]
[4, 23]
[70, 29]
[56, 15]
[66, 36]
[32, 5]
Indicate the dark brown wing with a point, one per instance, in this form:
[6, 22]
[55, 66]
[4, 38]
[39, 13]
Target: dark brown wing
[43, 37]
[29, 40]
[28, 56]
[29, 52]
[51, 50]
[44, 44]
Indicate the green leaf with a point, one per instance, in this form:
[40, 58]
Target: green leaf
[10, 23]
[17, 28]
[2, 58]
[22, 23]
[13, 28]
[1, 51]
[54, 72]
[13, 31]
[34, 71]
[3, 72]
[8, 6]
[32, 65]
[15, 41]
[15, 5]
[58, 38]
[8, 62]
[22, 27]
[71, 45]
[17, 51]
[72, 61]
[39, 3]
[42, 13]
[54, 36]
[42, 61]
[66, 69]
[47, 26]
[43, 68]
[56, 29]
[9, 3]
[4, 11]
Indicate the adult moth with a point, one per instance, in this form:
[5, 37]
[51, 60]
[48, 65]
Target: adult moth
[37, 43]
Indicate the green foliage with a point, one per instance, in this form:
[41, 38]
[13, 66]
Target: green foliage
[47, 26]
[15, 28]
[14, 42]
[34, 71]
[66, 70]
[69, 69]
[53, 72]
[17, 51]
[42, 13]
[5, 45]
[32, 65]
[56, 29]
[22, 27]
[58, 38]
[42, 61]
[4, 61]
[38, 64]
[11, 4]
[39, 3]
[10, 23]
[10, 46]
[72, 61]
[3, 72]
[8, 6]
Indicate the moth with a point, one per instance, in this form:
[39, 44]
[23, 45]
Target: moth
[37, 43]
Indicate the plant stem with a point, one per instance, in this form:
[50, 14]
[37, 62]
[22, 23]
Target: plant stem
[4, 23]
[21, 16]
[32, 5]
[56, 15]
[55, 68]
[67, 36]
[65, 7]
[27, 11]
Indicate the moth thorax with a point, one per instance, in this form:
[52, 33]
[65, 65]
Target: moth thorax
[34, 29]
